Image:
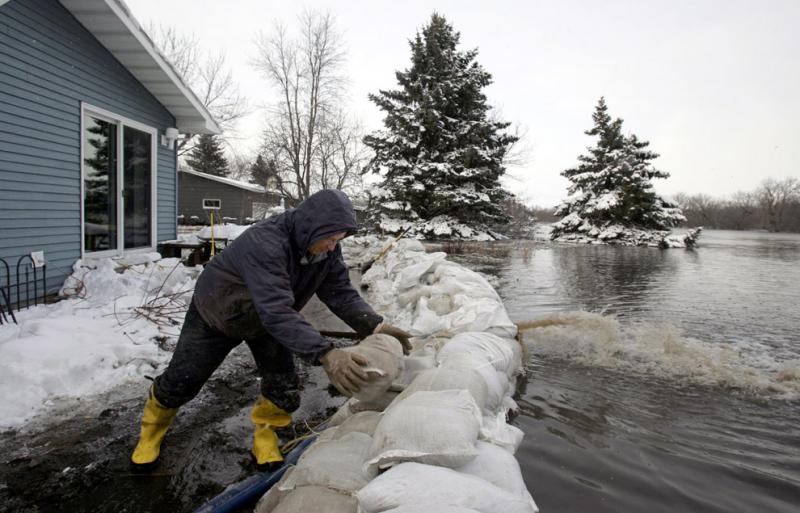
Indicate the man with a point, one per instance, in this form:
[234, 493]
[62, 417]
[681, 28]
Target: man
[253, 291]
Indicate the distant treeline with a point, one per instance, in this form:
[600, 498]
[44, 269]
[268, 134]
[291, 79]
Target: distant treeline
[773, 206]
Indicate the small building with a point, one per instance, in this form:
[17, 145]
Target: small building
[238, 202]
[89, 111]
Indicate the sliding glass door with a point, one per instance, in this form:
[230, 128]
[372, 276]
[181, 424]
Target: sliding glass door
[118, 184]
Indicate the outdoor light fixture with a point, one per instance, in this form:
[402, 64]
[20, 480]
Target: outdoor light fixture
[170, 136]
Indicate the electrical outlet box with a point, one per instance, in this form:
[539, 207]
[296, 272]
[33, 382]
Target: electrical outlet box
[38, 258]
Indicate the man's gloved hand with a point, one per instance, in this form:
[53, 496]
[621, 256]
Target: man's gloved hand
[345, 370]
[402, 336]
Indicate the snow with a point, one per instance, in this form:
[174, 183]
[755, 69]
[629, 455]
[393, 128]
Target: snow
[97, 339]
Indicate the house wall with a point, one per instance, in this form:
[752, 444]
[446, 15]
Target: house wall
[49, 64]
[236, 202]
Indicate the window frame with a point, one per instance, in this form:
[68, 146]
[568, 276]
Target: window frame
[121, 122]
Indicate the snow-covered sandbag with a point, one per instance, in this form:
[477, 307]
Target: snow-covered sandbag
[504, 354]
[305, 499]
[441, 378]
[335, 464]
[432, 487]
[497, 383]
[385, 356]
[361, 422]
[439, 428]
[499, 467]
[496, 430]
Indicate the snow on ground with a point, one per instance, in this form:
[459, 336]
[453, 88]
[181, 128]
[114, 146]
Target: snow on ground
[97, 339]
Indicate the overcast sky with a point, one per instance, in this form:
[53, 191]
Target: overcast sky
[714, 85]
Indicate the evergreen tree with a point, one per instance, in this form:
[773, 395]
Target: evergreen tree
[611, 187]
[440, 154]
[264, 173]
[207, 156]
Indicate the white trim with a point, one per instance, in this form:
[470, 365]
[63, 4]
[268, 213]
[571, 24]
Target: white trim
[121, 122]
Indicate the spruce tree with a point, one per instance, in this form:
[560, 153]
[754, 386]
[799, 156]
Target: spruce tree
[611, 187]
[208, 157]
[264, 173]
[440, 154]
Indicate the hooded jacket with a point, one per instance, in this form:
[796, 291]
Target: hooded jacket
[258, 285]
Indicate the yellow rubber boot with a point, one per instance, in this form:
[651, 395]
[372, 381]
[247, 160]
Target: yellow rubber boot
[265, 416]
[156, 419]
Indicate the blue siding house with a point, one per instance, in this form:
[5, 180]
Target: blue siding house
[89, 111]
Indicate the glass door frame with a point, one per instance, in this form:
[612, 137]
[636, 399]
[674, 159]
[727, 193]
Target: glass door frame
[121, 122]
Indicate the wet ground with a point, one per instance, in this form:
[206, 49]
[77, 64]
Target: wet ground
[76, 460]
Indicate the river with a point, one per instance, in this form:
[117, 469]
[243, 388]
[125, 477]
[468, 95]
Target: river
[670, 380]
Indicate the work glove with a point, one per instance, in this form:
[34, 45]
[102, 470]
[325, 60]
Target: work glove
[345, 370]
[394, 331]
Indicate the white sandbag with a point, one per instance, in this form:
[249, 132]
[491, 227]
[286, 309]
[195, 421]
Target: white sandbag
[353, 406]
[498, 466]
[421, 508]
[414, 364]
[318, 499]
[497, 383]
[504, 354]
[432, 487]
[270, 500]
[441, 378]
[496, 430]
[412, 275]
[335, 464]
[439, 428]
[361, 422]
[385, 356]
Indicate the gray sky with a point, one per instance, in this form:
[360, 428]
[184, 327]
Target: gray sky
[714, 85]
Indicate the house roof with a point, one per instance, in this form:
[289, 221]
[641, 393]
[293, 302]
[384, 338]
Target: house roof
[112, 23]
[229, 181]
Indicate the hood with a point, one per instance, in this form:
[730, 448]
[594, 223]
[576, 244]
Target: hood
[322, 214]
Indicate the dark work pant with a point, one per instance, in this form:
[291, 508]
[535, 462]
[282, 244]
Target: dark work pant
[201, 349]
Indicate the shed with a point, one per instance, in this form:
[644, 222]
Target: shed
[89, 110]
[239, 202]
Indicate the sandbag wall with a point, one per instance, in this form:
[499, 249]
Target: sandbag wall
[431, 435]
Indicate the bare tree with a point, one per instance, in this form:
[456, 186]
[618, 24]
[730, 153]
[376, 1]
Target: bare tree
[307, 135]
[774, 196]
[207, 75]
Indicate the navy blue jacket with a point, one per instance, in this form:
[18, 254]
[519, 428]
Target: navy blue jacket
[258, 284]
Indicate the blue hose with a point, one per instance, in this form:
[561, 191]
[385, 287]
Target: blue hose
[252, 488]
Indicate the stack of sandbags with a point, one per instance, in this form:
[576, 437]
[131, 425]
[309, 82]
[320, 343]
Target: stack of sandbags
[443, 444]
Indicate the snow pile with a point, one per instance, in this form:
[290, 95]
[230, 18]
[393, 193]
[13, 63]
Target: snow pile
[438, 228]
[108, 332]
[578, 230]
[448, 426]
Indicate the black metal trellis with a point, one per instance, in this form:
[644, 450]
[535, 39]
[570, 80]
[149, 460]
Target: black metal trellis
[27, 277]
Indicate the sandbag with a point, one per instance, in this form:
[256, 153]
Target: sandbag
[361, 422]
[499, 467]
[317, 499]
[504, 354]
[497, 383]
[385, 355]
[441, 378]
[439, 428]
[415, 363]
[421, 508]
[496, 430]
[432, 487]
[335, 464]
[270, 500]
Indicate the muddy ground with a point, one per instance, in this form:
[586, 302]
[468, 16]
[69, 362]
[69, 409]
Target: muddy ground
[76, 458]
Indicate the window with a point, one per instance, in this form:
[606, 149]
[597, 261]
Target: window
[118, 168]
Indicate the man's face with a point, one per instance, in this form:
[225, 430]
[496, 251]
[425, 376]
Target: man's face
[326, 245]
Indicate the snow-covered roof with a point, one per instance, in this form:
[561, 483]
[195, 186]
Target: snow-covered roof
[230, 181]
[112, 23]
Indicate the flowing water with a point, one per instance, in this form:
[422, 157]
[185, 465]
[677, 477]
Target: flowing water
[667, 380]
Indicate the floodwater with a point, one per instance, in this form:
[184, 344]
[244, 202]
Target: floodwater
[671, 379]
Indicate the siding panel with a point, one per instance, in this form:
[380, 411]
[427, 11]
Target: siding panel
[49, 65]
